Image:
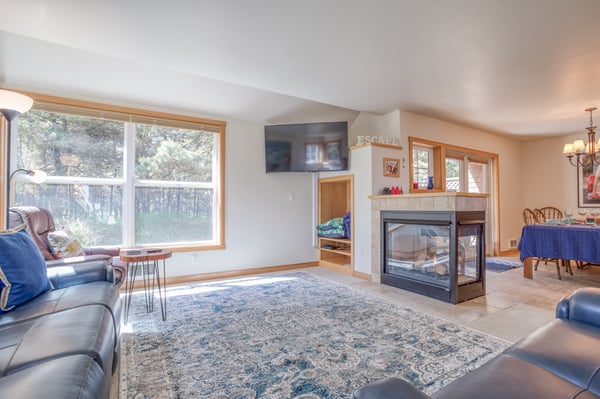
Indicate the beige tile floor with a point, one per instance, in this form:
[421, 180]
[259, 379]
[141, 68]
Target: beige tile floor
[512, 308]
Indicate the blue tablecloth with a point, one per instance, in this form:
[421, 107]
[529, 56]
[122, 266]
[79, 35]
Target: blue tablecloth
[573, 242]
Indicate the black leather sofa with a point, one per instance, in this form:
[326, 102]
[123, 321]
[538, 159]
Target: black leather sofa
[65, 342]
[560, 360]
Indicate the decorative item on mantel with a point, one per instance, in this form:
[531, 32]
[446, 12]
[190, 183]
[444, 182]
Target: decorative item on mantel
[392, 190]
[429, 182]
[585, 154]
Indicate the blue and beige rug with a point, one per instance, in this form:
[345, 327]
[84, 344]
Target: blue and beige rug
[288, 336]
[502, 264]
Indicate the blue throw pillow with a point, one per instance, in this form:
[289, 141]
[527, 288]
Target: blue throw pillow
[22, 269]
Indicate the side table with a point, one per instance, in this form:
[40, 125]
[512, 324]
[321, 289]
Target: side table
[149, 261]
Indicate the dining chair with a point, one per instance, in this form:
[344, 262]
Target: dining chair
[551, 212]
[540, 216]
[529, 216]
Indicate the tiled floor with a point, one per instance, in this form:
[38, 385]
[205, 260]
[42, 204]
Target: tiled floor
[512, 309]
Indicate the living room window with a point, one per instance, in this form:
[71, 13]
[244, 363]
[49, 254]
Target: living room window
[118, 176]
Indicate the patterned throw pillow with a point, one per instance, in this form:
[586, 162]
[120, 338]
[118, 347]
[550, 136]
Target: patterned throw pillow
[64, 242]
[22, 269]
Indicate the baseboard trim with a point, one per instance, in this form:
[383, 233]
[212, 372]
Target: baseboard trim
[228, 274]
[361, 275]
[510, 252]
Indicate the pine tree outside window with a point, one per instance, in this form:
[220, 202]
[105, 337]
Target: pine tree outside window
[123, 178]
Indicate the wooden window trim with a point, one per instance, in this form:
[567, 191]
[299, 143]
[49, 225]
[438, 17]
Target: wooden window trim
[144, 115]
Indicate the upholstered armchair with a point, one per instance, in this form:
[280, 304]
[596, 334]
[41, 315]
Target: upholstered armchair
[40, 224]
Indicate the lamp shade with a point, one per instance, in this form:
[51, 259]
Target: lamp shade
[13, 104]
[579, 146]
[38, 176]
[568, 148]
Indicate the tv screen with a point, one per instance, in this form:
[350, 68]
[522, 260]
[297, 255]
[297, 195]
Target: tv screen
[306, 147]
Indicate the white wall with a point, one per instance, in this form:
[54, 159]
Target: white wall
[263, 227]
[548, 178]
[361, 168]
[366, 163]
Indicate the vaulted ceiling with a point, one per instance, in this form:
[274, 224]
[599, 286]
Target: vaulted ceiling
[525, 68]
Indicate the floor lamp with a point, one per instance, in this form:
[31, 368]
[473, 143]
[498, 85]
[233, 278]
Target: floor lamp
[11, 106]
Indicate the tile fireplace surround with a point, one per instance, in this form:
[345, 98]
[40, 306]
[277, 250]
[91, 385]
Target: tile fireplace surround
[415, 202]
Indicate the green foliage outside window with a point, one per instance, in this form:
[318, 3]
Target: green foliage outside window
[84, 157]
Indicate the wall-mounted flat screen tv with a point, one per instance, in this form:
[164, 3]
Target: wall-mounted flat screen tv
[306, 147]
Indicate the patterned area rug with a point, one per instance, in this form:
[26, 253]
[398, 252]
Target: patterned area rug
[288, 336]
[502, 264]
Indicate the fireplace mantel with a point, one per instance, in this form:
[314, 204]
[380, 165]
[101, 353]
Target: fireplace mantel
[435, 201]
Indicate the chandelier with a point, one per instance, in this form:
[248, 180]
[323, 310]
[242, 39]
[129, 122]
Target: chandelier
[582, 154]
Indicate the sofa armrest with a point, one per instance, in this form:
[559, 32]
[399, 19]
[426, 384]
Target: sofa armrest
[80, 273]
[74, 260]
[110, 251]
[389, 388]
[582, 305]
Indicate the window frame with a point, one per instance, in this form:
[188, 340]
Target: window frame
[128, 181]
[437, 168]
[442, 151]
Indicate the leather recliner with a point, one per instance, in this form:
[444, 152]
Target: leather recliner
[40, 223]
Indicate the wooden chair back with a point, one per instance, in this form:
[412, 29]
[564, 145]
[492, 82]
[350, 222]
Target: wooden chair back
[551, 212]
[529, 216]
[539, 215]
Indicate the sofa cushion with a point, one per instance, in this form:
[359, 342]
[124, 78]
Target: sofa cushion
[595, 384]
[22, 269]
[566, 348]
[86, 330]
[96, 293]
[70, 377]
[509, 377]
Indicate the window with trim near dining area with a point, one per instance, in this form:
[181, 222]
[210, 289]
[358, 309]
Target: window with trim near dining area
[121, 176]
[442, 167]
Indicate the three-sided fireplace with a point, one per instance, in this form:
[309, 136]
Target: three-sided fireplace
[440, 254]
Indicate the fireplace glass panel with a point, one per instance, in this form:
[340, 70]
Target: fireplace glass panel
[435, 253]
[468, 253]
[419, 252]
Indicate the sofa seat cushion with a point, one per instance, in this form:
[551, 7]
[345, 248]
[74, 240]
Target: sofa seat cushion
[87, 330]
[95, 293]
[510, 377]
[70, 377]
[566, 348]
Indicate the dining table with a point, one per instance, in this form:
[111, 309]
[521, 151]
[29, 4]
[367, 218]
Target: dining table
[569, 241]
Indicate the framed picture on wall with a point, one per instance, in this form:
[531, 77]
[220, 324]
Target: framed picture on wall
[391, 167]
[588, 186]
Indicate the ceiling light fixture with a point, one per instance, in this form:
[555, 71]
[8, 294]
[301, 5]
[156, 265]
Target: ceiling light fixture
[582, 154]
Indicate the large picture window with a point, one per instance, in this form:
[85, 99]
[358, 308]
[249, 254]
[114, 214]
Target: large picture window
[124, 178]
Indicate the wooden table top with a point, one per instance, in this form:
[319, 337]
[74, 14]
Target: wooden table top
[141, 255]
